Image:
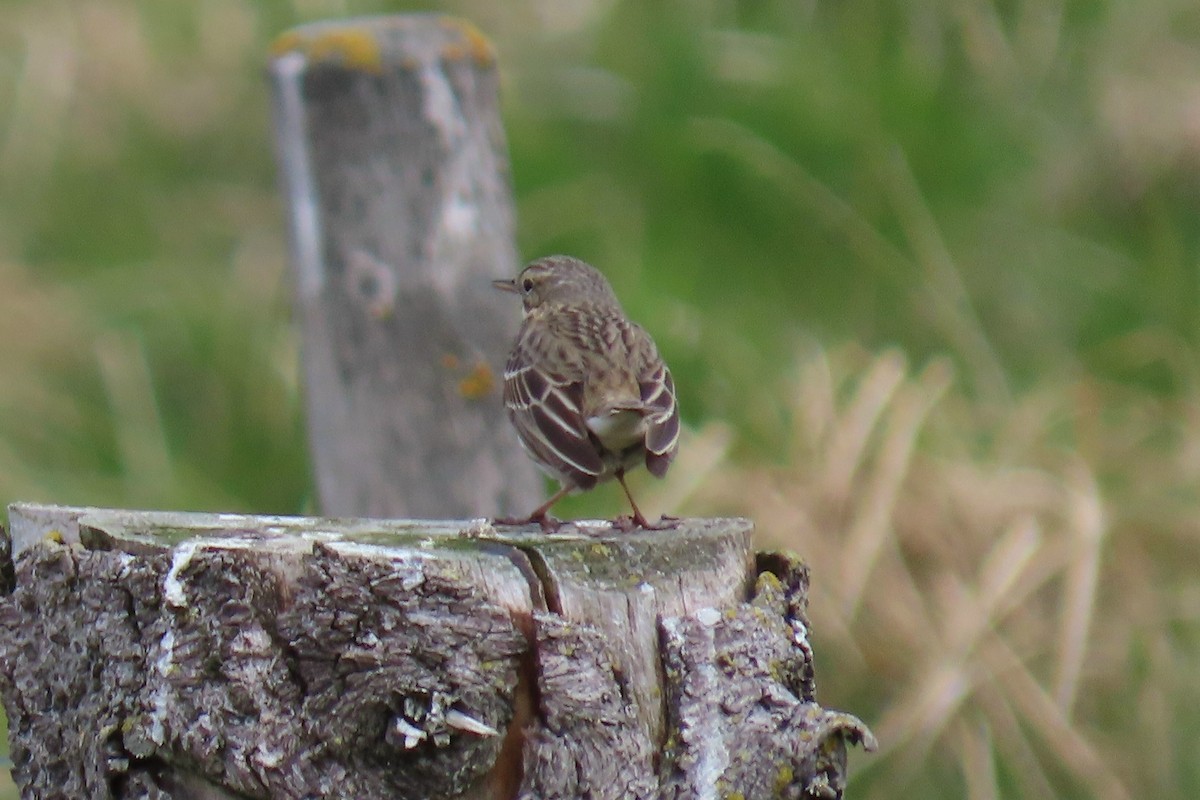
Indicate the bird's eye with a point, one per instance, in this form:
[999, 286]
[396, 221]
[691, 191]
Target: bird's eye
[527, 285]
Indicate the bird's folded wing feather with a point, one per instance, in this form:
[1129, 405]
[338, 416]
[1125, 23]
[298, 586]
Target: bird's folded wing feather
[545, 409]
[661, 409]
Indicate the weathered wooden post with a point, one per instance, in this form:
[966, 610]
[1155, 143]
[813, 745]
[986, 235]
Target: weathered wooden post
[204, 656]
[395, 172]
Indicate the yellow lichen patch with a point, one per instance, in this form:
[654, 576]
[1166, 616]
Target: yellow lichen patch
[474, 44]
[478, 383]
[54, 535]
[601, 550]
[784, 779]
[353, 48]
[285, 42]
[767, 581]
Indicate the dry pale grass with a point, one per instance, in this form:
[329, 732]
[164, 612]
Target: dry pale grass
[1001, 588]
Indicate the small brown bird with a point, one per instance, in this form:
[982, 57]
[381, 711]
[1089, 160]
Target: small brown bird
[584, 386]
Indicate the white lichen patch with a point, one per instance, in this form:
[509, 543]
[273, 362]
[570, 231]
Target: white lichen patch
[173, 592]
[160, 701]
[799, 632]
[269, 756]
[361, 549]
[480, 526]
[441, 107]
[460, 216]
[599, 524]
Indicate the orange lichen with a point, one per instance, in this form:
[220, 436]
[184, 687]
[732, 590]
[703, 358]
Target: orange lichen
[474, 43]
[450, 361]
[478, 383]
[285, 43]
[350, 47]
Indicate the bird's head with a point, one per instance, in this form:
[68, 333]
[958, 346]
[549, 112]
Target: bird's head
[559, 280]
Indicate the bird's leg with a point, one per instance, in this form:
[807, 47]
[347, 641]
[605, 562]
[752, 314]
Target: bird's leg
[628, 523]
[638, 519]
[540, 515]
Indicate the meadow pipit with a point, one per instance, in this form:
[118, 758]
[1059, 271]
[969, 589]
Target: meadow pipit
[585, 387]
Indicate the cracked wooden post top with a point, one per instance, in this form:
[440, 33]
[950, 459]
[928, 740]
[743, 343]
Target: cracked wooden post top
[394, 169]
[165, 654]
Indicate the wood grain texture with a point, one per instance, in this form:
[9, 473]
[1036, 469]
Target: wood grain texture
[395, 173]
[173, 655]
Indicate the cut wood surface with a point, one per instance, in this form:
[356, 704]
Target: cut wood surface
[176, 655]
[395, 174]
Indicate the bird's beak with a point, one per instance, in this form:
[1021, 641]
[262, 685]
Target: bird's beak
[506, 284]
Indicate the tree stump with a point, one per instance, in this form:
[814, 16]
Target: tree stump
[177, 655]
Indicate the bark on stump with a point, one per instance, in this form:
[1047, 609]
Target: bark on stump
[173, 655]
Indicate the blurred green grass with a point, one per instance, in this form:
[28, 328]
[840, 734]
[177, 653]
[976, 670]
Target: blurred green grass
[1005, 192]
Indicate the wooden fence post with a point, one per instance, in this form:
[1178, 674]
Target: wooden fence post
[395, 172]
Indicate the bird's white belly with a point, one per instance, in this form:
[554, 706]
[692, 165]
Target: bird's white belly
[618, 429]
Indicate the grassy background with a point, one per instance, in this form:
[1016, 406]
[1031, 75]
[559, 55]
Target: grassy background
[927, 274]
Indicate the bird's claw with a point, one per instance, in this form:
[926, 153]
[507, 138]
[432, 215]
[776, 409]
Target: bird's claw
[547, 523]
[627, 523]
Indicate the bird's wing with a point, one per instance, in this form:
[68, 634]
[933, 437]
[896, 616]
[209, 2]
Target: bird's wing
[544, 406]
[661, 409]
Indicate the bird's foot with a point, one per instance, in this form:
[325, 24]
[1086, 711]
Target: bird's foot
[548, 523]
[627, 523]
